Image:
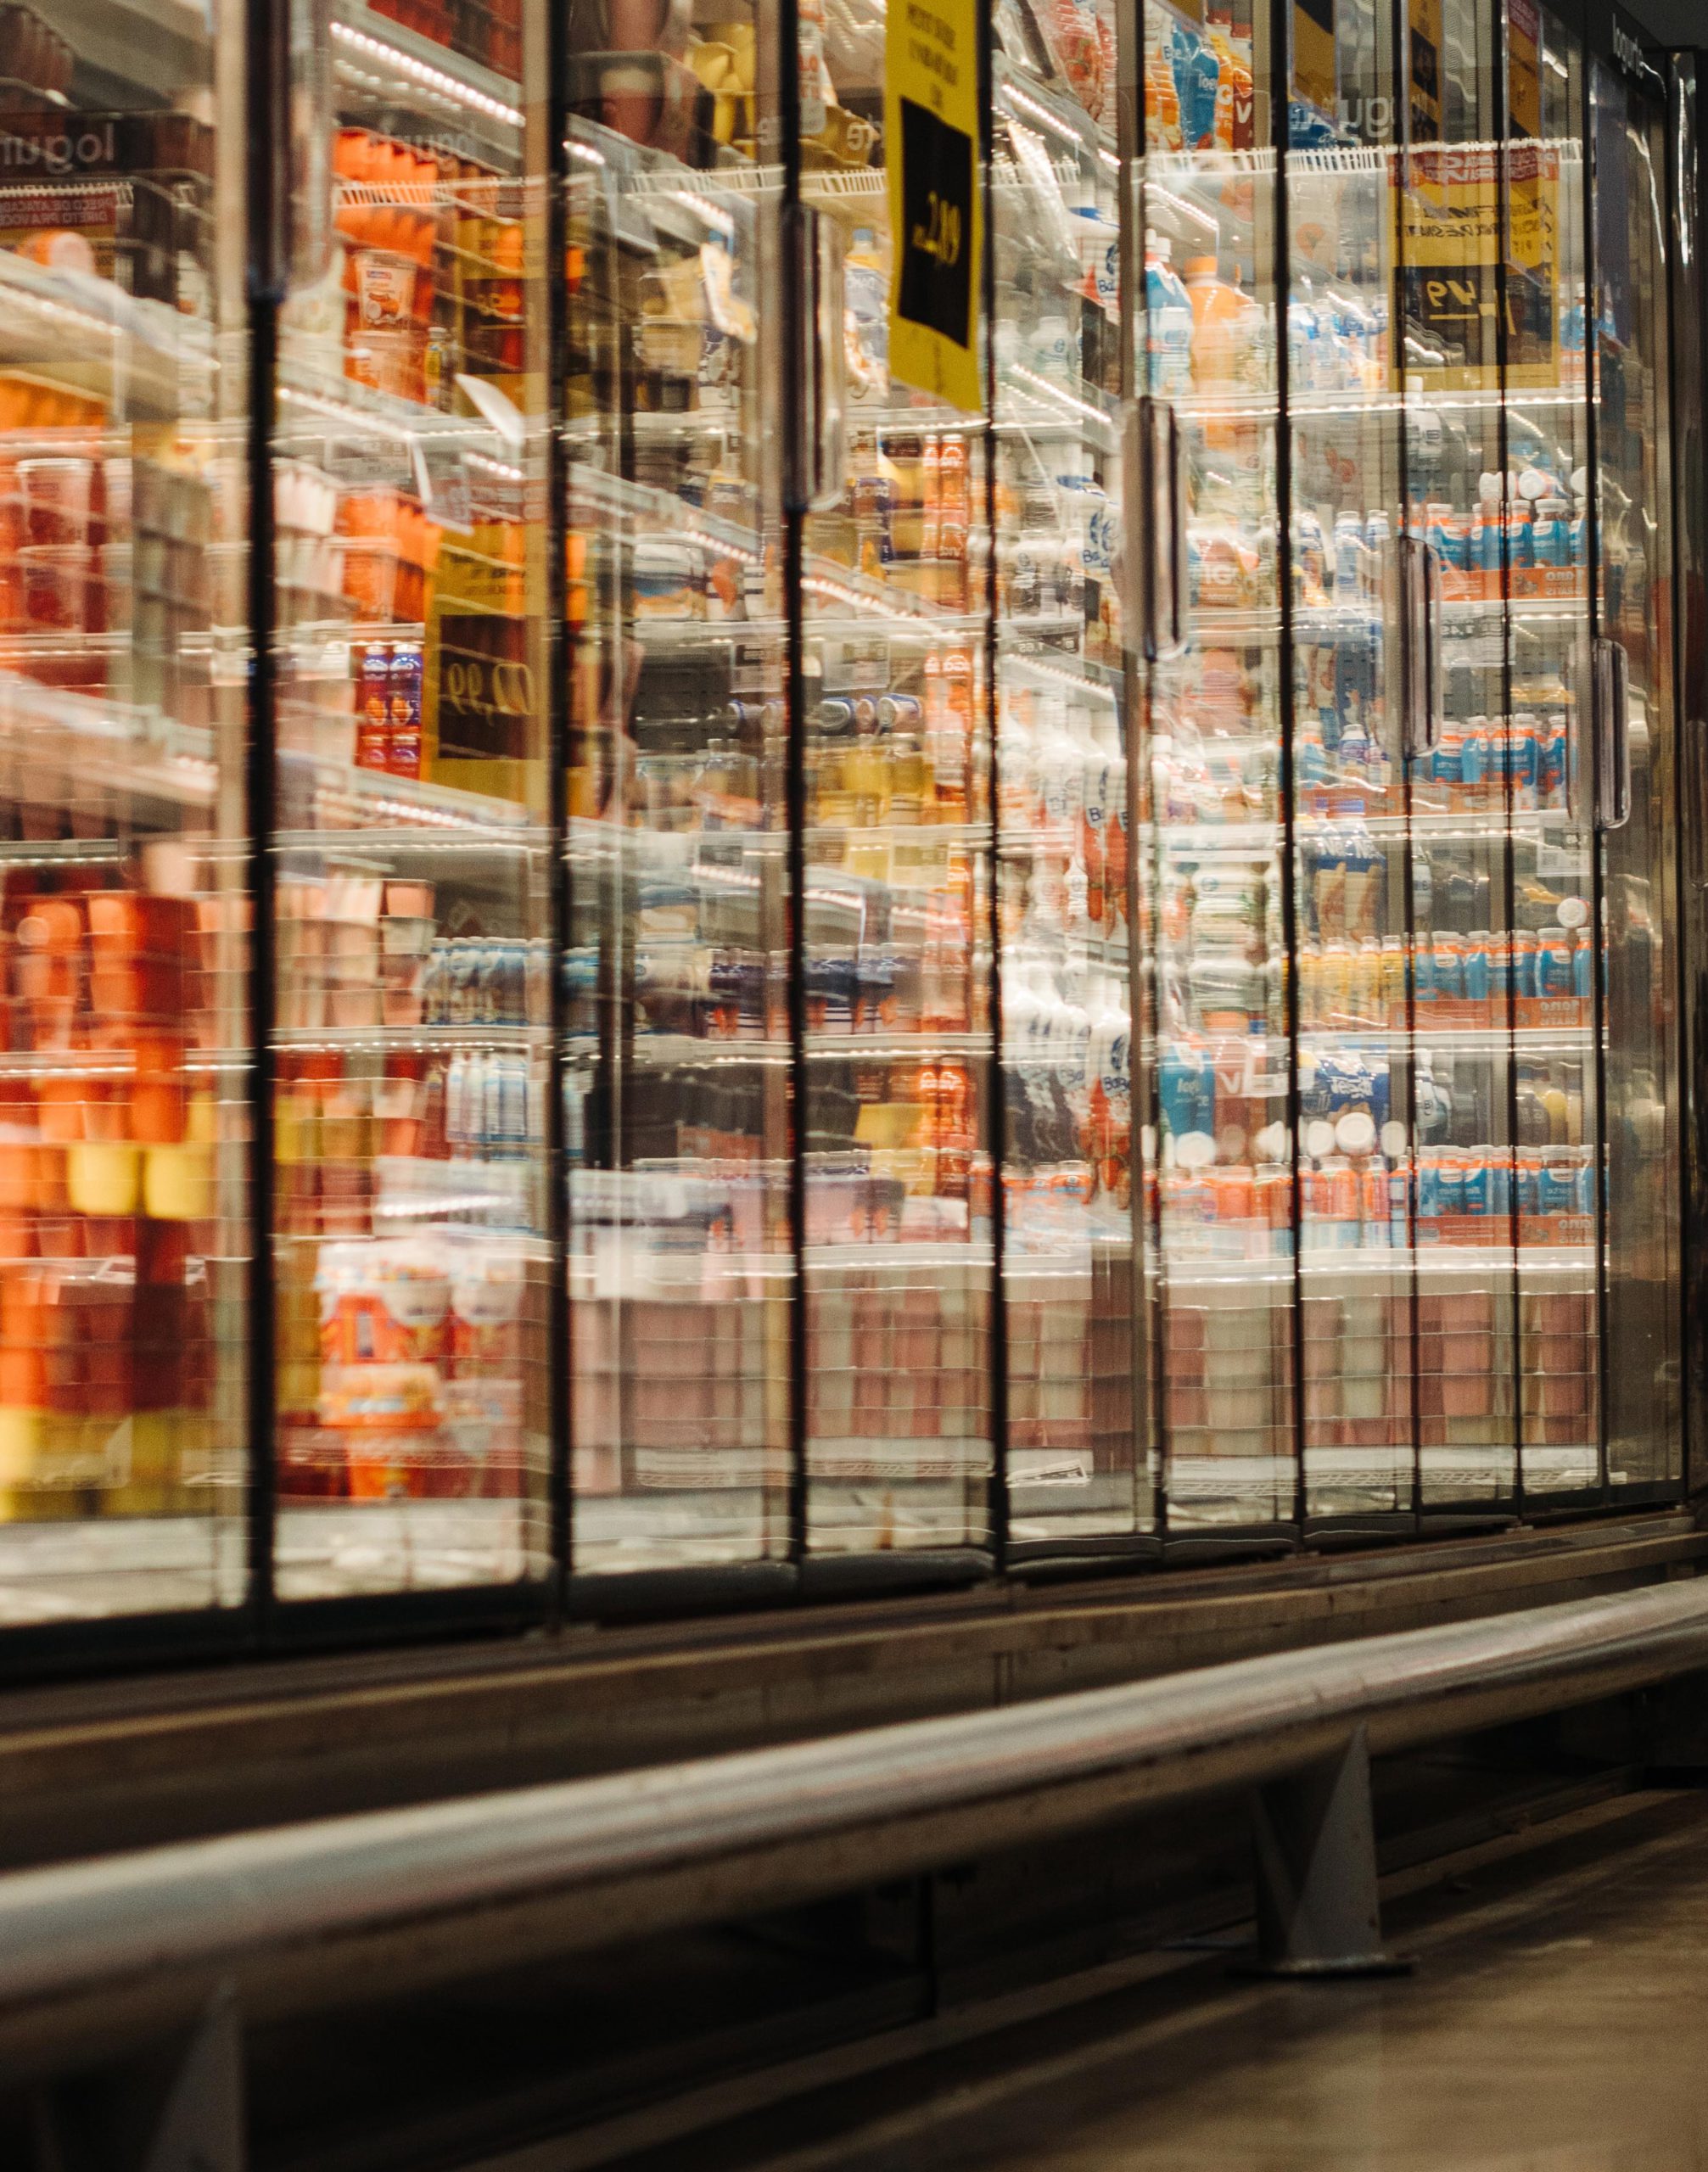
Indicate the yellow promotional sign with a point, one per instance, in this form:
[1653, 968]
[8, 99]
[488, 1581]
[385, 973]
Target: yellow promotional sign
[931, 123]
[1524, 66]
[1313, 54]
[1424, 43]
[1451, 219]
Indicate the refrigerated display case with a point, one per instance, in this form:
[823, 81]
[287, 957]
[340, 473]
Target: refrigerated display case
[675, 992]
[776, 977]
[1080, 1470]
[125, 1082]
[409, 834]
[1399, 964]
[1214, 836]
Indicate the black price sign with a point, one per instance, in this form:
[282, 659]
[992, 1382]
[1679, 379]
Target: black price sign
[936, 271]
[931, 128]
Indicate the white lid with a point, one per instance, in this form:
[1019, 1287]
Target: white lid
[1355, 1133]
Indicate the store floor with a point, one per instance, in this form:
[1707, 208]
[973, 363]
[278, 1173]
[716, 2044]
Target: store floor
[1557, 2022]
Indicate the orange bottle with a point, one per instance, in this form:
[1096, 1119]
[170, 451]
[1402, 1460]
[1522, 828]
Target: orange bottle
[1226, 330]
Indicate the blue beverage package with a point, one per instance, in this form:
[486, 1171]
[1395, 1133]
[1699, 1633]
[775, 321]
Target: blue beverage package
[1558, 1186]
[1555, 963]
[1550, 775]
[1399, 1200]
[1551, 535]
[1186, 1086]
[1197, 81]
[1314, 1088]
[1474, 757]
[1348, 1079]
[1477, 977]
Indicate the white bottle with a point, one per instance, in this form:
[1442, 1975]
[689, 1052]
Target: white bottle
[1073, 1045]
[1019, 1014]
[1113, 776]
[1168, 323]
[1045, 1037]
[1085, 874]
[456, 1105]
[1061, 776]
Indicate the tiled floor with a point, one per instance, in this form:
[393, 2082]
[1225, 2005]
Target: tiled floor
[1557, 2022]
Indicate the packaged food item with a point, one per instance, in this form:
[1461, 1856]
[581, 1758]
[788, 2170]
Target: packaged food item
[1169, 322]
[1197, 84]
[1230, 330]
[866, 275]
[1236, 104]
[1162, 100]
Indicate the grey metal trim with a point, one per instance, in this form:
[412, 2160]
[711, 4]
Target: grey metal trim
[315, 1915]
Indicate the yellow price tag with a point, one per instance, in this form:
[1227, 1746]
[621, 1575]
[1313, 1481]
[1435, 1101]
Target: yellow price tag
[930, 115]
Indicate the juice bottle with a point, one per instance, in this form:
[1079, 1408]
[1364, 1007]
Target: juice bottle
[1169, 323]
[373, 708]
[403, 705]
[867, 289]
[953, 521]
[1226, 327]
[950, 746]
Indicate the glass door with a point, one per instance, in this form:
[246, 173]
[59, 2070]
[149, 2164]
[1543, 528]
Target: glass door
[1556, 1089]
[1353, 811]
[676, 982]
[412, 851]
[1472, 785]
[1066, 568]
[1214, 888]
[896, 1076]
[1635, 791]
[124, 866]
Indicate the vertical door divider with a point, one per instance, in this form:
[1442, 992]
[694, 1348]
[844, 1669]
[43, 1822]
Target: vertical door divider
[1498, 29]
[560, 648]
[794, 394]
[266, 31]
[996, 1120]
[1400, 32]
[1597, 916]
[1280, 130]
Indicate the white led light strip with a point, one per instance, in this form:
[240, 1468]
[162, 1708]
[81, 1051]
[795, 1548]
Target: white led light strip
[432, 79]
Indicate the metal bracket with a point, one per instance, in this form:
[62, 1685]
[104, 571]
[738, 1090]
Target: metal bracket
[1315, 1859]
[173, 2109]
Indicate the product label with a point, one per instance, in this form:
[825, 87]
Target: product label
[1451, 213]
[930, 117]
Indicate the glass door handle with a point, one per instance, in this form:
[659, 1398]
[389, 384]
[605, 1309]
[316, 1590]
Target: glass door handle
[1612, 733]
[815, 454]
[1163, 495]
[1420, 621]
[291, 243]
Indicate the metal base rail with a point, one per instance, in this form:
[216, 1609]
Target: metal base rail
[101, 1959]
